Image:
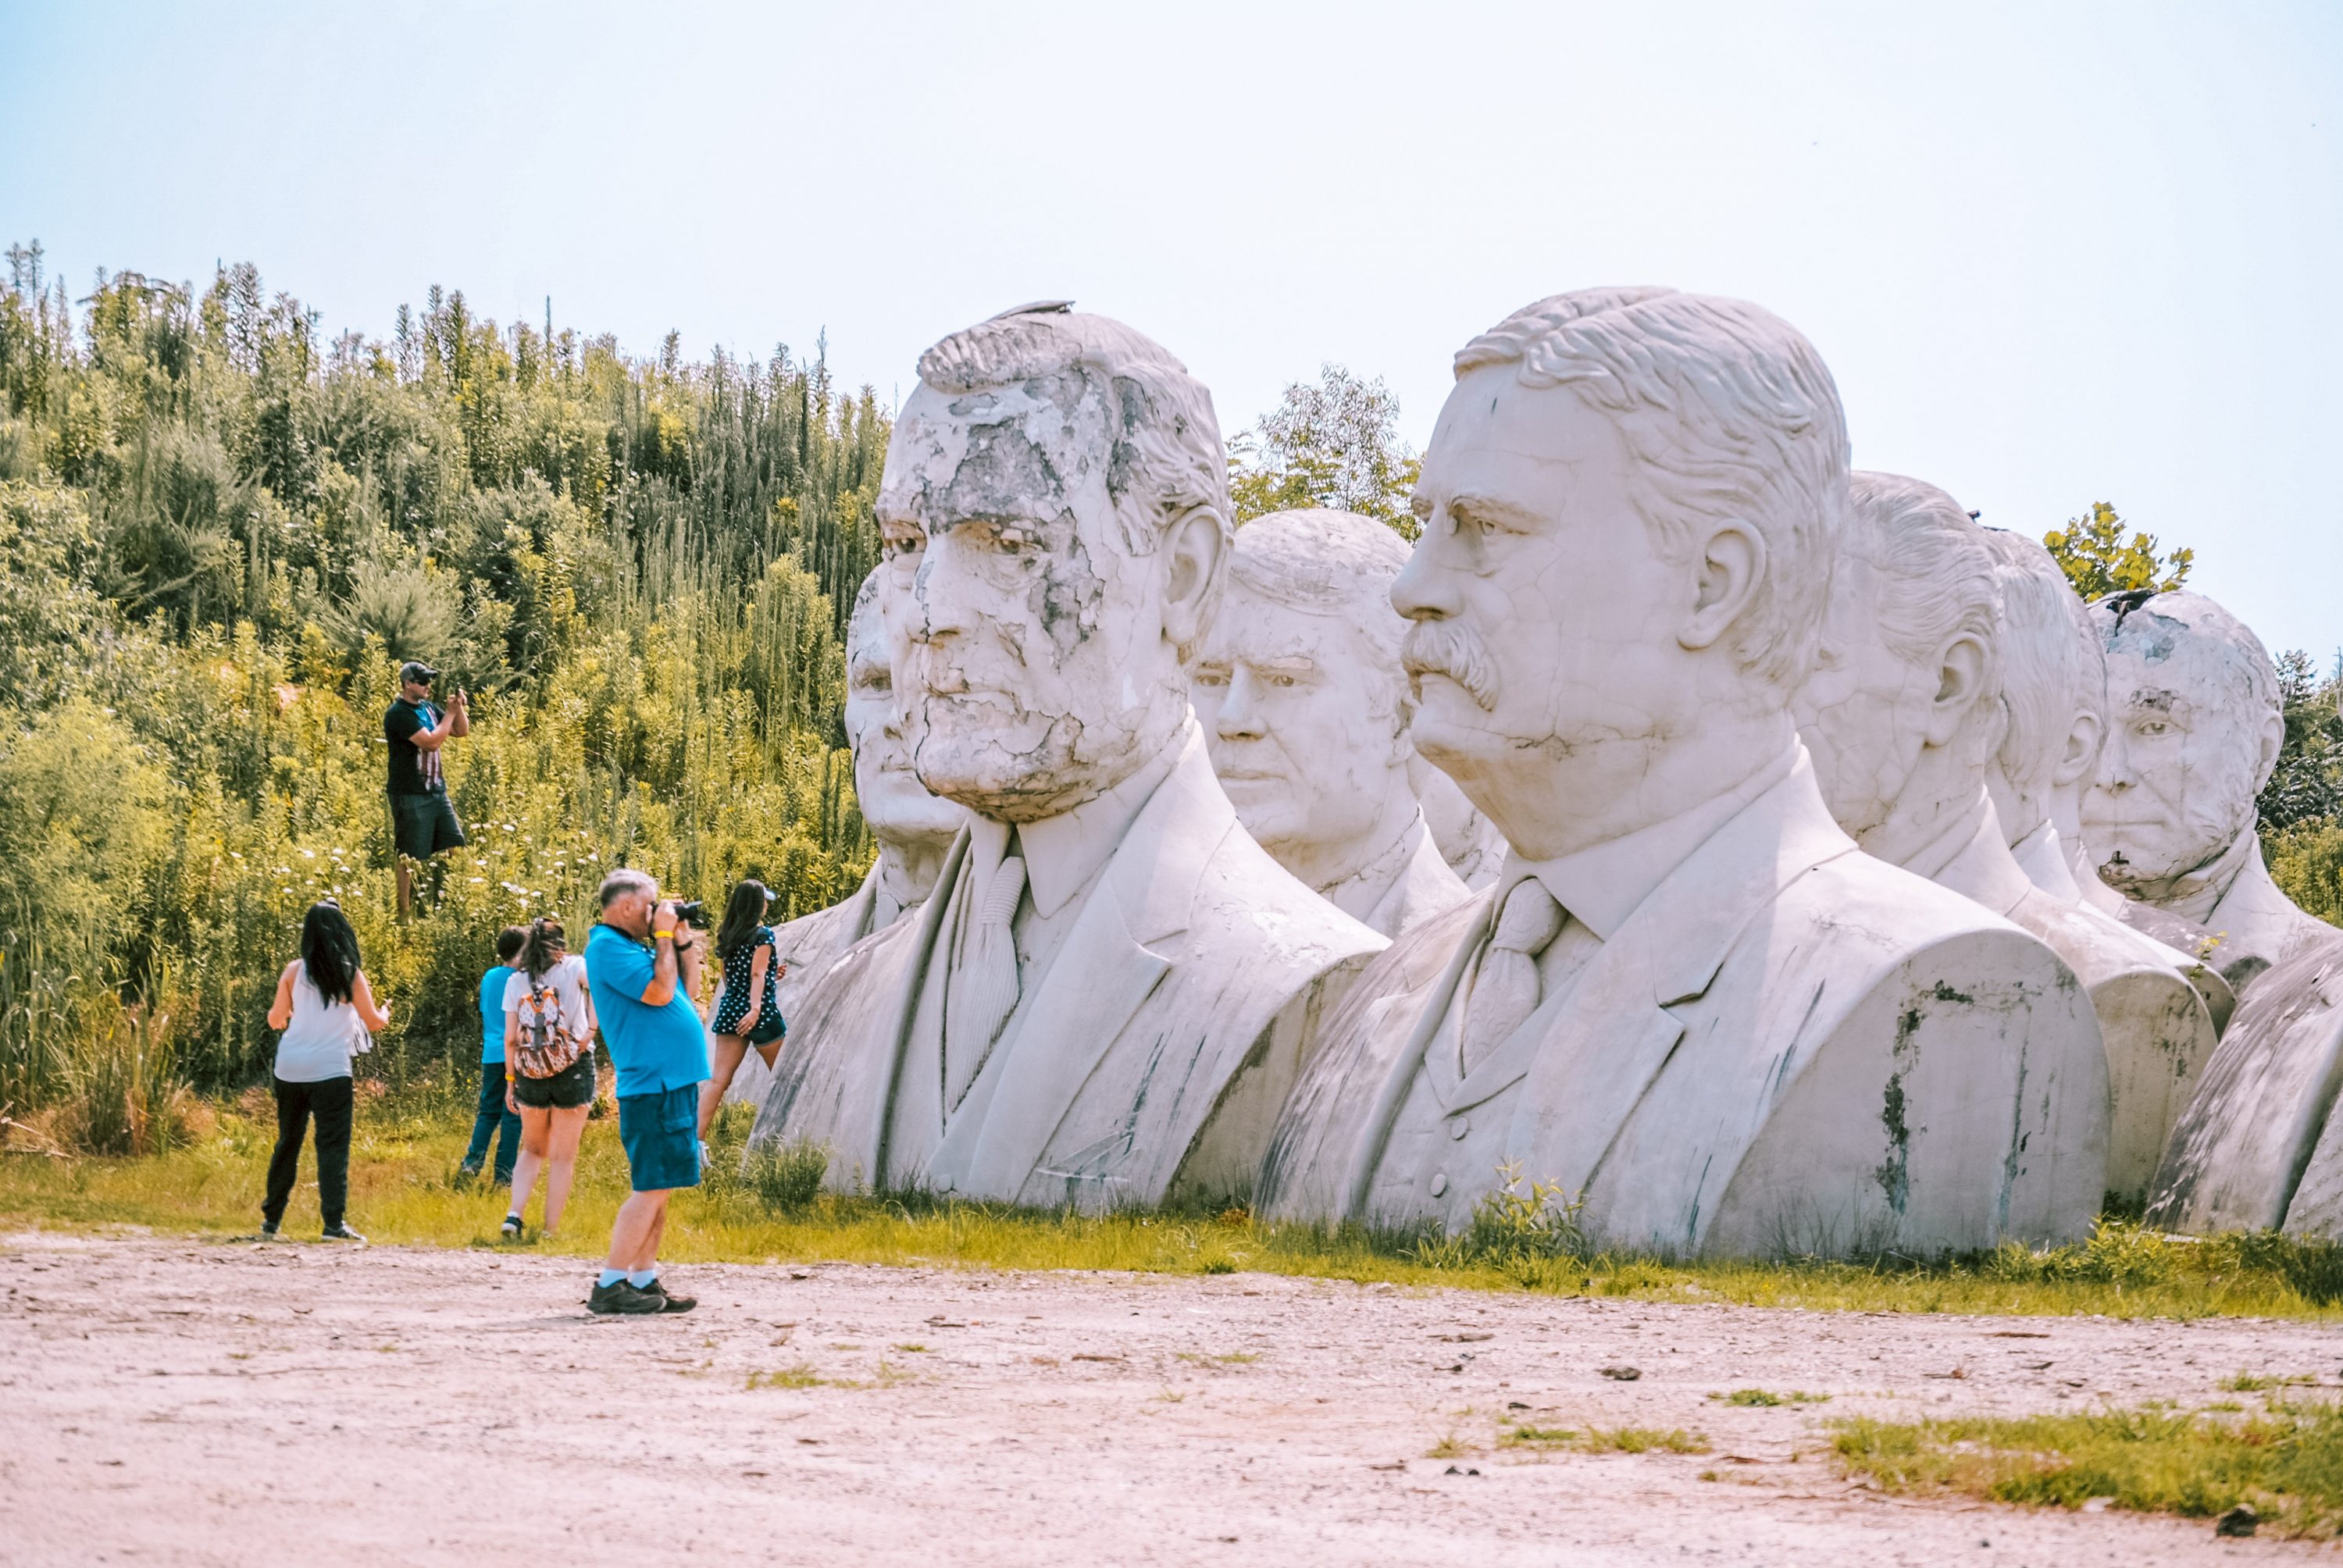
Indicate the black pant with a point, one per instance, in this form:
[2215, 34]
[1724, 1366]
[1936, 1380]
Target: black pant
[330, 1102]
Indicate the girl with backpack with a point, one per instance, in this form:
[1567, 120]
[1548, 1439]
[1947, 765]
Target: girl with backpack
[747, 1008]
[327, 1013]
[548, 1068]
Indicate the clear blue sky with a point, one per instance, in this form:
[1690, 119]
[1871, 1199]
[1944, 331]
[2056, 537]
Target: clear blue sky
[2053, 253]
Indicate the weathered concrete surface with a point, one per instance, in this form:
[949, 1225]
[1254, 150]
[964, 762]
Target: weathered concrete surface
[205, 1404]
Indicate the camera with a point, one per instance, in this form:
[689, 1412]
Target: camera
[693, 914]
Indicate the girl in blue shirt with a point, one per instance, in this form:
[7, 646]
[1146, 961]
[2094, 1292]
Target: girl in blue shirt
[494, 1117]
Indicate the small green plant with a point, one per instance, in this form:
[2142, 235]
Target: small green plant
[1644, 1439]
[2254, 1382]
[1521, 1234]
[801, 1375]
[1763, 1398]
[1538, 1437]
[785, 1177]
[1605, 1439]
[1448, 1447]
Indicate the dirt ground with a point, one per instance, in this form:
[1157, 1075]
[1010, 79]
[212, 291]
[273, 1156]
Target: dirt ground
[173, 1402]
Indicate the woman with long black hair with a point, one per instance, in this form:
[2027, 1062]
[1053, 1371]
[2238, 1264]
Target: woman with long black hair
[327, 1014]
[548, 1067]
[748, 1010]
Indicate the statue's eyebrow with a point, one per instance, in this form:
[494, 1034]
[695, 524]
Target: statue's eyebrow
[1487, 509]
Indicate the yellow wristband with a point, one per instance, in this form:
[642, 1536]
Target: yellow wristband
[664, 936]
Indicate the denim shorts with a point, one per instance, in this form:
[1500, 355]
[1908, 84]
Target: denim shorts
[661, 1132]
[421, 826]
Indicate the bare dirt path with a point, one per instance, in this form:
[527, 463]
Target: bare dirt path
[185, 1402]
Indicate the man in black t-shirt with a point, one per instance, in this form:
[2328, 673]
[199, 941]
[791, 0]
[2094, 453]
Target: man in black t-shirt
[422, 822]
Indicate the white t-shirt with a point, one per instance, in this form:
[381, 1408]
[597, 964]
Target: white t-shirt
[565, 984]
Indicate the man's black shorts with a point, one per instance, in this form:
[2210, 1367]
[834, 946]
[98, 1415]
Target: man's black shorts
[423, 825]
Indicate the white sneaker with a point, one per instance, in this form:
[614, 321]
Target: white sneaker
[704, 1156]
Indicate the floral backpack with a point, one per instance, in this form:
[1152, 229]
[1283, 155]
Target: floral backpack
[548, 1044]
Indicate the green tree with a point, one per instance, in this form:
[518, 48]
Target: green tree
[2096, 559]
[1332, 444]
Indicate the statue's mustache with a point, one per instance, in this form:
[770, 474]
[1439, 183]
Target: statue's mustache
[1443, 648]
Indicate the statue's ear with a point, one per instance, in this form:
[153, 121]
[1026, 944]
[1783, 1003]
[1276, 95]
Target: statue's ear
[2273, 741]
[2083, 739]
[1193, 553]
[1727, 575]
[1960, 681]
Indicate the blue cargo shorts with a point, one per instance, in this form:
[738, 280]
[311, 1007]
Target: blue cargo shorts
[660, 1134]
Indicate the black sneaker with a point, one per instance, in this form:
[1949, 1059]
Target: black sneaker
[670, 1303]
[465, 1175]
[268, 1227]
[620, 1299]
[342, 1233]
[510, 1229]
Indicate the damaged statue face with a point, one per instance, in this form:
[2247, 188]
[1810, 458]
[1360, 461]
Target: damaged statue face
[2191, 738]
[897, 806]
[1031, 656]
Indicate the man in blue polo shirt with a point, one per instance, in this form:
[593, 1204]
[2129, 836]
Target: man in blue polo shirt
[644, 973]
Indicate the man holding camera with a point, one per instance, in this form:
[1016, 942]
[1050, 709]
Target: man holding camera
[643, 963]
[422, 822]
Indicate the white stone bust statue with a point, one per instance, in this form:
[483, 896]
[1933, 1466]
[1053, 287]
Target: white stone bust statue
[2072, 771]
[1934, 741]
[911, 827]
[1688, 998]
[2194, 726]
[1105, 998]
[1304, 709]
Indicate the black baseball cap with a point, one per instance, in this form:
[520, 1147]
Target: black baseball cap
[415, 670]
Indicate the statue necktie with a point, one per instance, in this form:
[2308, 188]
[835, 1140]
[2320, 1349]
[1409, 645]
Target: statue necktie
[1506, 991]
[984, 989]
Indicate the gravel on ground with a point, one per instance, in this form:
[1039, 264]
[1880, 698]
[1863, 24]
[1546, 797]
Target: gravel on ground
[204, 1402]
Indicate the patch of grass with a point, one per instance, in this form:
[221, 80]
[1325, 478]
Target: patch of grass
[2253, 1382]
[2285, 1463]
[1604, 1439]
[1762, 1397]
[1448, 1447]
[404, 1153]
[1230, 1358]
[801, 1375]
[1642, 1440]
[1539, 1437]
[912, 1350]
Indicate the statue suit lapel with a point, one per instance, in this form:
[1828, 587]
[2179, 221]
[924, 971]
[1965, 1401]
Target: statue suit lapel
[873, 1121]
[1616, 1031]
[1104, 973]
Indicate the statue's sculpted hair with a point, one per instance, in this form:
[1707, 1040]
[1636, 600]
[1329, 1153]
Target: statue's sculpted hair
[1167, 460]
[1937, 579]
[1730, 415]
[2050, 661]
[1339, 565]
